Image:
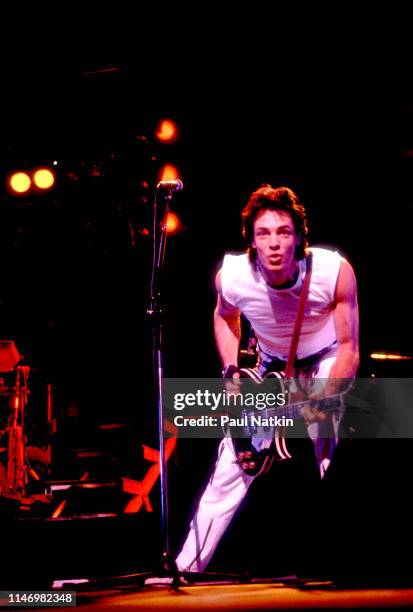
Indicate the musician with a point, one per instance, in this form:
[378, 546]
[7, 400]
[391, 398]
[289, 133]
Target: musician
[264, 284]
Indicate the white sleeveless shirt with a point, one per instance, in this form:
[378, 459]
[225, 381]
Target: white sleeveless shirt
[272, 312]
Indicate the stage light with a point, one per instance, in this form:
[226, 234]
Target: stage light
[167, 131]
[390, 356]
[168, 172]
[19, 183]
[44, 178]
[59, 509]
[173, 223]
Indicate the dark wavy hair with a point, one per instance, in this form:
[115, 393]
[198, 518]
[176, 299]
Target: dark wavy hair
[275, 198]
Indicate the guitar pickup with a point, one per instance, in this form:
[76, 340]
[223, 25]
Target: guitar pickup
[249, 425]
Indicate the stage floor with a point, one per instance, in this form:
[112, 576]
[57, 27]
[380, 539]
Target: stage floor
[288, 595]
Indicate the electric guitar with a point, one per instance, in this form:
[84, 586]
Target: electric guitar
[252, 424]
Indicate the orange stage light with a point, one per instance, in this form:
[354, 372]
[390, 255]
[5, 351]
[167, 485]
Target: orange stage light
[167, 131]
[168, 172]
[19, 183]
[44, 178]
[59, 509]
[390, 356]
[173, 223]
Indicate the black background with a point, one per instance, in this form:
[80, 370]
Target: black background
[324, 109]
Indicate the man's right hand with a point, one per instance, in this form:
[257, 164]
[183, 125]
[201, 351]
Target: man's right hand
[233, 385]
[232, 379]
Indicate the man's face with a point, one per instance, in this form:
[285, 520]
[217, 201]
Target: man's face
[275, 241]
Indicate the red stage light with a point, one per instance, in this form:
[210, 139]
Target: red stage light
[167, 131]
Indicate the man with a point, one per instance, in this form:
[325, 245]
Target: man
[265, 285]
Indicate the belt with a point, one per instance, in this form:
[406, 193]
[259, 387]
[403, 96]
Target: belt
[277, 365]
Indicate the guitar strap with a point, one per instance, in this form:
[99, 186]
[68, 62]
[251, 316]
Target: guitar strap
[289, 368]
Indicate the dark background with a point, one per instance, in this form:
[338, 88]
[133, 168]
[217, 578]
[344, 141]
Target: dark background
[325, 110]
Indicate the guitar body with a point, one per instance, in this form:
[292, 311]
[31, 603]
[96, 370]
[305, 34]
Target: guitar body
[257, 447]
[252, 461]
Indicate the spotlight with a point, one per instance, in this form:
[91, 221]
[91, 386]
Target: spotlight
[44, 178]
[168, 172]
[173, 223]
[19, 183]
[390, 356]
[167, 131]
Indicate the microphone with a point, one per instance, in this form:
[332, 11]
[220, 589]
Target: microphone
[172, 185]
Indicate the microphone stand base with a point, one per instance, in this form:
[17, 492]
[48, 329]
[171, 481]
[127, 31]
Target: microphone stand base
[154, 579]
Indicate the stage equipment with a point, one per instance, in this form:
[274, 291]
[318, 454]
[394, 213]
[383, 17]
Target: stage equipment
[13, 397]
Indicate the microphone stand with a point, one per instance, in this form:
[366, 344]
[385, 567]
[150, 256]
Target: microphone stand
[169, 570]
[155, 315]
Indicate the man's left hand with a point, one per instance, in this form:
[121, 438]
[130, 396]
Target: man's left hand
[311, 415]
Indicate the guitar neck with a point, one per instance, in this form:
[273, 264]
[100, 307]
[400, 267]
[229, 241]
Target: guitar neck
[293, 411]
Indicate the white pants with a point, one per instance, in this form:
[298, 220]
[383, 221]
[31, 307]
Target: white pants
[228, 486]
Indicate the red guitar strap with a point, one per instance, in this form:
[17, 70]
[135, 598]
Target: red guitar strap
[289, 368]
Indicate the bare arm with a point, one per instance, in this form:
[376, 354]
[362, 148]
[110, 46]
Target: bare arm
[346, 320]
[227, 327]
